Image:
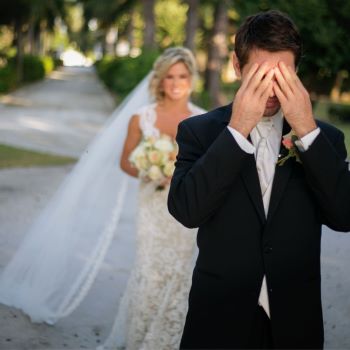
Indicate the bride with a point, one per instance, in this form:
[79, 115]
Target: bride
[58, 261]
[154, 306]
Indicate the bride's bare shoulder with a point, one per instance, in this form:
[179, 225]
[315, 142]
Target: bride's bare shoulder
[134, 120]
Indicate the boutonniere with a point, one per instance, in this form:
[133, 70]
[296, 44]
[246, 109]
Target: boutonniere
[289, 144]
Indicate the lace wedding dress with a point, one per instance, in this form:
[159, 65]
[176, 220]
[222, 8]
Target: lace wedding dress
[153, 309]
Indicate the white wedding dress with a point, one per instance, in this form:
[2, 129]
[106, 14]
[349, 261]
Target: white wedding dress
[60, 256]
[153, 309]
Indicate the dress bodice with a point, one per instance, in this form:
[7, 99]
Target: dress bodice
[148, 117]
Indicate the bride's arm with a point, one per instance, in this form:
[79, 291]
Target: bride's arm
[132, 140]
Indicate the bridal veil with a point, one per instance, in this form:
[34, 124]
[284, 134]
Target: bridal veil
[58, 260]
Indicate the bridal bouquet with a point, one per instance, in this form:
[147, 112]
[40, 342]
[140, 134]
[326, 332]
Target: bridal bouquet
[154, 158]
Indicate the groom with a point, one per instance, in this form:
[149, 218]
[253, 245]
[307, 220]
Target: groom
[259, 203]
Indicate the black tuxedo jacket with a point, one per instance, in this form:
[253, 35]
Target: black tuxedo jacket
[216, 187]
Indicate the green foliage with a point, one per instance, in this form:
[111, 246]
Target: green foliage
[228, 90]
[48, 63]
[339, 113]
[202, 99]
[324, 28]
[106, 11]
[11, 157]
[122, 74]
[31, 10]
[7, 78]
[57, 62]
[33, 68]
[170, 16]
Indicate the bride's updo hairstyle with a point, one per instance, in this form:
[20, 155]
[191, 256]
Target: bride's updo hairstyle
[164, 62]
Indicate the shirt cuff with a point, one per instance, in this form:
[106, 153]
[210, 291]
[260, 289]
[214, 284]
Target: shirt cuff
[306, 141]
[245, 145]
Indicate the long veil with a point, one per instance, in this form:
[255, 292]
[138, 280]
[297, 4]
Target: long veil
[57, 262]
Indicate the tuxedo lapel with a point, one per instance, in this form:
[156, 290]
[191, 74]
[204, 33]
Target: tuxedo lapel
[249, 174]
[282, 173]
[250, 179]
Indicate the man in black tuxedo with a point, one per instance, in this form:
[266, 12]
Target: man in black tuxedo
[259, 202]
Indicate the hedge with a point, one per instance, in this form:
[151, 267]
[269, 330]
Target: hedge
[34, 68]
[122, 74]
[339, 112]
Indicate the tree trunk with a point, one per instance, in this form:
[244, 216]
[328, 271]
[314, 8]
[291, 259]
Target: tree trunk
[216, 53]
[148, 11]
[130, 34]
[336, 90]
[19, 54]
[37, 39]
[31, 37]
[192, 23]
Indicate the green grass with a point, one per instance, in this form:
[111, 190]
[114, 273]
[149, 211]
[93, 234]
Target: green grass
[12, 157]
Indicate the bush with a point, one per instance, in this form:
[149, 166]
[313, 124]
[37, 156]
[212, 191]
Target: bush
[7, 78]
[122, 74]
[48, 63]
[58, 62]
[33, 68]
[339, 112]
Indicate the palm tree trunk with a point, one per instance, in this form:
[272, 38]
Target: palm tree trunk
[148, 11]
[192, 23]
[19, 46]
[216, 53]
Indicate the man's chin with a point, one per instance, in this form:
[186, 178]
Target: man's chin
[270, 111]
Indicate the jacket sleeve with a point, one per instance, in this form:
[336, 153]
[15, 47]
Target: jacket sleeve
[327, 173]
[202, 176]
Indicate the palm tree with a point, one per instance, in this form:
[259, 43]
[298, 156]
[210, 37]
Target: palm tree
[192, 23]
[148, 11]
[217, 51]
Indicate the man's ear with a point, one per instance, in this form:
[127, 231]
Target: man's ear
[236, 65]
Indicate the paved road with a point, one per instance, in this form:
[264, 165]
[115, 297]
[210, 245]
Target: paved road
[58, 115]
[63, 114]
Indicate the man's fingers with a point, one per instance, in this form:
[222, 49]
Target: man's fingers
[279, 93]
[249, 75]
[256, 79]
[265, 82]
[289, 75]
[297, 80]
[266, 93]
[283, 85]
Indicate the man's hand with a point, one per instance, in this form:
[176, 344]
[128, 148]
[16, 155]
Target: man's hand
[250, 101]
[294, 99]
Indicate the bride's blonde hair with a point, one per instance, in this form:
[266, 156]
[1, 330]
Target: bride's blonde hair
[164, 62]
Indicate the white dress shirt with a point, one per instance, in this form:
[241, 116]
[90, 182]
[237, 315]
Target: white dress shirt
[266, 151]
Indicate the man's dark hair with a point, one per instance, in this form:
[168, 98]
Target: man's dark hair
[271, 31]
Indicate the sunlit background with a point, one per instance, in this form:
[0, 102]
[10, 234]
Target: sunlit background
[117, 34]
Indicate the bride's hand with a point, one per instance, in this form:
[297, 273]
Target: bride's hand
[165, 182]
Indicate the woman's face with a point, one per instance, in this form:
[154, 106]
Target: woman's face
[177, 82]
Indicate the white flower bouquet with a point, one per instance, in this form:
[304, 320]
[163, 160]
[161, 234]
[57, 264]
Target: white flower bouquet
[154, 158]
